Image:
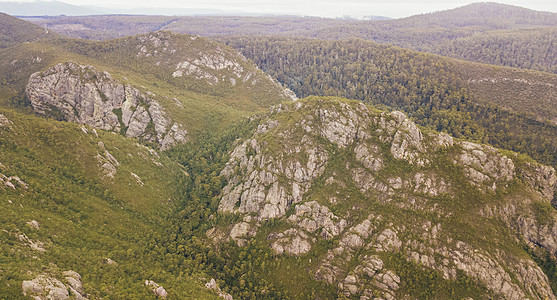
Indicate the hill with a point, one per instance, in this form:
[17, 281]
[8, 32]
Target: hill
[327, 198]
[14, 31]
[485, 15]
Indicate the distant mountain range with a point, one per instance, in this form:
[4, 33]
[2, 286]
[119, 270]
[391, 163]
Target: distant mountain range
[57, 8]
[47, 8]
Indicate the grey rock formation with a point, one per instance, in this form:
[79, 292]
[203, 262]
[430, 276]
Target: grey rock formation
[5, 122]
[158, 290]
[291, 241]
[212, 285]
[34, 224]
[12, 182]
[302, 152]
[45, 287]
[542, 178]
[83, 95]
[484, 166]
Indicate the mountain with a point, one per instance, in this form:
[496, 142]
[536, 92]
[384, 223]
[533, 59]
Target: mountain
[45, 8]
[330, 197]
[14, 31]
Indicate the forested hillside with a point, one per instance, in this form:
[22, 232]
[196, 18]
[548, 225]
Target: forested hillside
[483, 32]
[533, 49]
[429, 88]
[15, 31]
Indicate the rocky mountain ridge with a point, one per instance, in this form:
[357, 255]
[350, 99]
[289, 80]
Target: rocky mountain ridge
[378, 186]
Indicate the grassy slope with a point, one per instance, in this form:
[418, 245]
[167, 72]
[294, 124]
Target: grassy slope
[85, 218]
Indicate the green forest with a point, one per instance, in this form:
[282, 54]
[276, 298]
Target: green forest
[424, 86]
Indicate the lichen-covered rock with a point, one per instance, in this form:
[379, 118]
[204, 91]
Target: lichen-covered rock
[542, 178]
[81, 94]
[5, 122]
[212, 285]
[260, 190]
[313, 217]
[34, 224]
[12, 182]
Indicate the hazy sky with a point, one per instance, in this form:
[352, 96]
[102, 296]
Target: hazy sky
[324, 8]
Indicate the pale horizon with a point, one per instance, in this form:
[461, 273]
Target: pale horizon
[324, 8]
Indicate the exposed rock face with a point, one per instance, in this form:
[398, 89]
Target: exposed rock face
[378, 186]
[107, 163]
[5, 122]
[484, 166]
[212, 285]
[200, 59]
[47, 287]
[541, 178]
[83, 95]
[158, 290]
[34, 224]
[12, 182]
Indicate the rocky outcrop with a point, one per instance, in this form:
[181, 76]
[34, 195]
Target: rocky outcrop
[212, 285]
[541, 178]
[484, 166]
[192, 58]
[12, 182]
[158, 290]
[106, 162]
[47, 287]
[258, 189]
[5, 122]
[382, 189]
[81, 94]
[33, 224]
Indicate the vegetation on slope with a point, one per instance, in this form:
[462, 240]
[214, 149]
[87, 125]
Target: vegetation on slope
[255, 270]
[85, 217]
[196, 101]
[14, 31]
[426, 87]
[477, 32]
